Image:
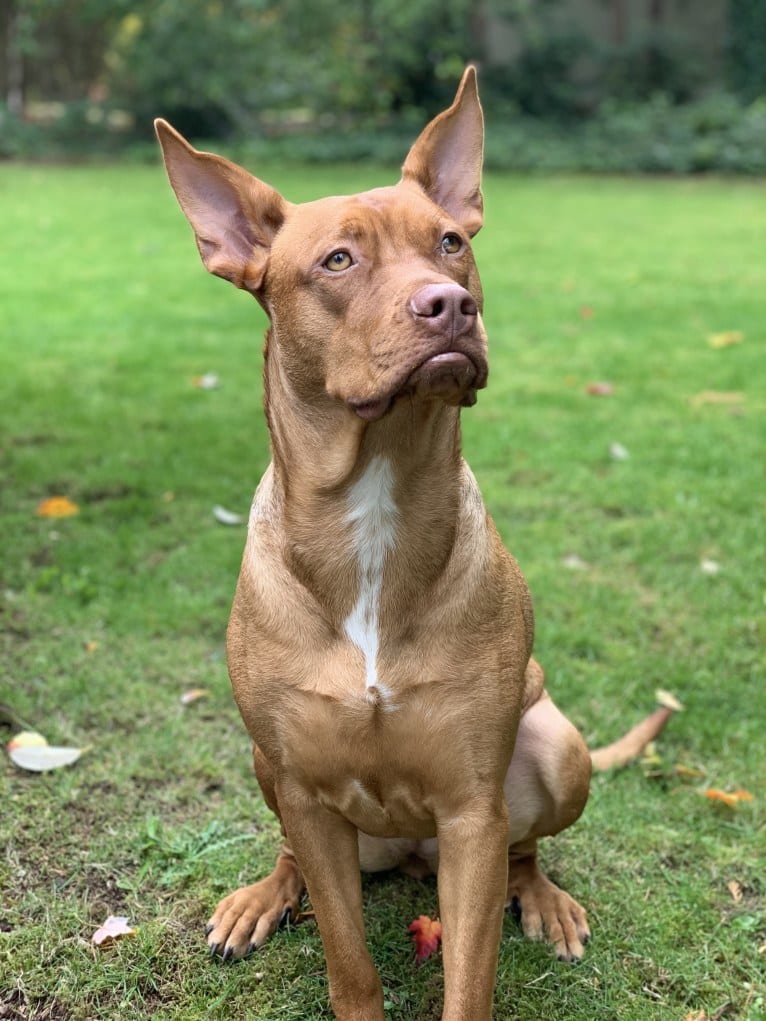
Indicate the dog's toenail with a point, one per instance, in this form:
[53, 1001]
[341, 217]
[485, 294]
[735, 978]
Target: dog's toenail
[285, 917]
[214, 949]
[228, 952]
[209, 928]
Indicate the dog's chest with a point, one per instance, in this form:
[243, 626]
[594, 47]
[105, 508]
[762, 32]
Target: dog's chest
[372, 517]
[369, 757]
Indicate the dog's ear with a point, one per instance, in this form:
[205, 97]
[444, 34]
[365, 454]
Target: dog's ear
[446, 159]
[234, 215]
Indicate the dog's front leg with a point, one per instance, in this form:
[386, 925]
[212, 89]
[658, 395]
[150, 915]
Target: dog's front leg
[473, 871]
[327, 849]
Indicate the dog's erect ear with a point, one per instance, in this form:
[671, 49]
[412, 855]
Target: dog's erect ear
[234, 215]
[446, 159]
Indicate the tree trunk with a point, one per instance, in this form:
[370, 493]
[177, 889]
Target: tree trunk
[14, 94]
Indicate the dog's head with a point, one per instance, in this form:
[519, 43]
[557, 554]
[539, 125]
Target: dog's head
[372, 296]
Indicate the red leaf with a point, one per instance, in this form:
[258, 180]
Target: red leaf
[600, 389]
[426, 935]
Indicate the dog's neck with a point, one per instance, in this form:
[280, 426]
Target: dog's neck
[358, 499]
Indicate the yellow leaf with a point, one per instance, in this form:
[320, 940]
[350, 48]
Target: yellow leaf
[725, 339]
[27, 739]
[728, 397]
[57, 507]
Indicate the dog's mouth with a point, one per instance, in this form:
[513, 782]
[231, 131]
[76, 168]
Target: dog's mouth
[452, 377]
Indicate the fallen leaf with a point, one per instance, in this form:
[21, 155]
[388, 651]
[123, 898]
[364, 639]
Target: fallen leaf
[208, 381]
[57, 507]
[725, 339]
[26, 739]
[696, 1015]
[574, 563]
[710, 567]
[42, 758]
[227, 517]
[690, 772]
[618, 453]
[586, 312]
[668, 699]
[426, 935]
[90, 647]
[193, 695]
[113, 929]
[735, 889]
[730, 798]
[728, 397]
[651, 761]
[600, 389]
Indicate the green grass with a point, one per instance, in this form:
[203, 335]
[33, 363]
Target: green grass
[105, 317]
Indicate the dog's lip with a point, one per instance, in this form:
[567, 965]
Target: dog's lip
[451, 375]
[448, 371]
[370, 411]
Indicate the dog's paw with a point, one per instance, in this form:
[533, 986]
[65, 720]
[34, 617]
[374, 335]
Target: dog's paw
[547, 912]
[245, 919]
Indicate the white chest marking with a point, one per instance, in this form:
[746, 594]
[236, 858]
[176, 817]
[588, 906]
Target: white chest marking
[372, 515]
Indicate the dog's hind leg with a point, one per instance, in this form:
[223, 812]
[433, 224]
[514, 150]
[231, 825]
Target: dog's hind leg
[546, 789]
[245, 919]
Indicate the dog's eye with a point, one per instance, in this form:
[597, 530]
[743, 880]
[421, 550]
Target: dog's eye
[451, 244]
[338, 261]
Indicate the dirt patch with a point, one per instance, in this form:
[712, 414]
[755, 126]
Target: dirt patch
[14, 1006]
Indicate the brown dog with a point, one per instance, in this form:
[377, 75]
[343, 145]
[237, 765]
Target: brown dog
[379, 643]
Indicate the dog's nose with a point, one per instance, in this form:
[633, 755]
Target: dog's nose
[444, 308]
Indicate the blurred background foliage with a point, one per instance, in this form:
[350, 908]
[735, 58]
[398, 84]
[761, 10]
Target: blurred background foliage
[618, 85]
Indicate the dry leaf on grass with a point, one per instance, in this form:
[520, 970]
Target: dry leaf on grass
[26, 739]
[730, 798]
[725, 339]
[732, 398]
[573, 562]
[599, 389]
[227, 517]
[426, 935]
[194, 695]
[30, 751]
[57, 507]
[208, 381]
[113, 929]
[735, 889]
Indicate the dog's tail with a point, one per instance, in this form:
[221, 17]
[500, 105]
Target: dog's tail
[630, 745]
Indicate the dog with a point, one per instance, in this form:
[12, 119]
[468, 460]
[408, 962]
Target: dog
[380, 638]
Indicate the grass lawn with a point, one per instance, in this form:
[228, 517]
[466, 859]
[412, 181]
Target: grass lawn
[106, 315]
